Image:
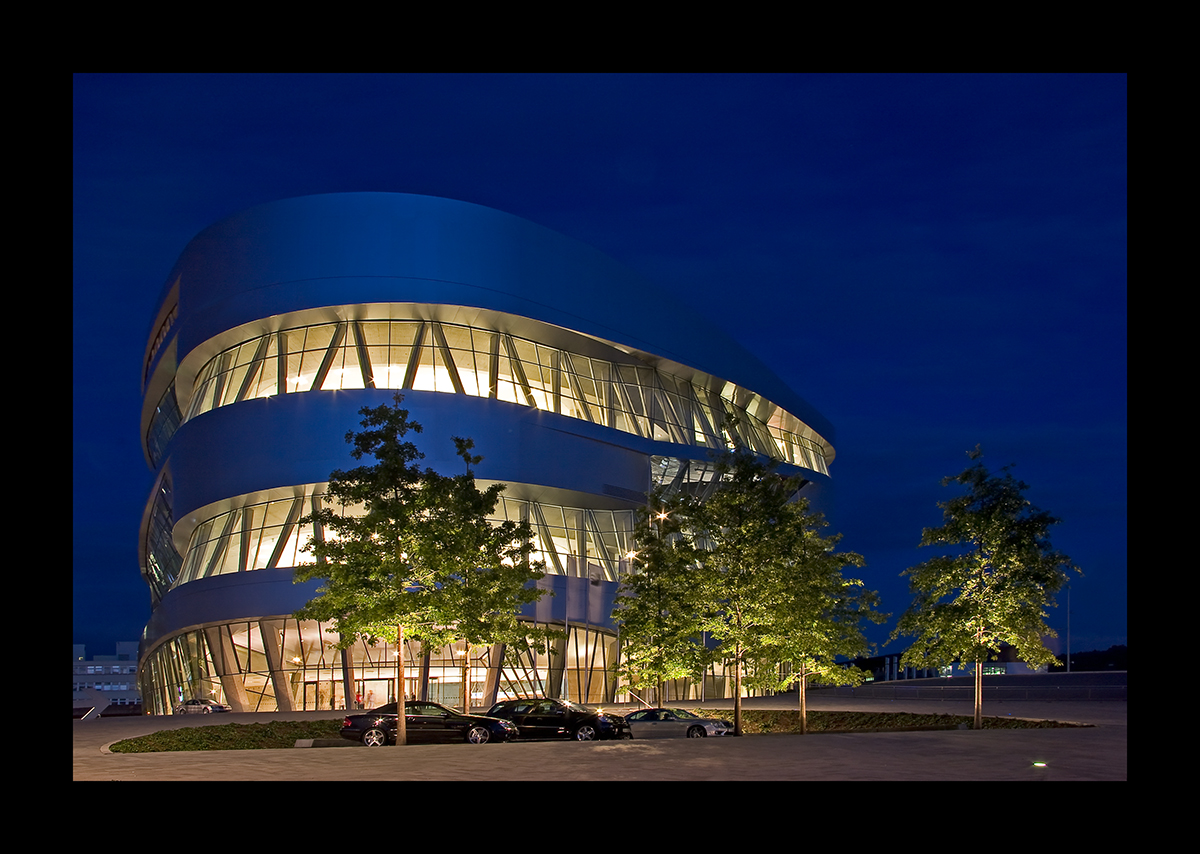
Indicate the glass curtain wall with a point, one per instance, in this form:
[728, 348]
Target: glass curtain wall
[284, 664]
[457, 359]
[581, 665]
[162, 561]
[570, 540]
[163, 424]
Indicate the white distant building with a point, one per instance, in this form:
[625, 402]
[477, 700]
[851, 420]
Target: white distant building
[108, 680]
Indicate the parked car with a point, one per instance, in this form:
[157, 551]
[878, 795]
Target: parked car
[560, 719]
[675, 723]
[425, 722]
[201, 707]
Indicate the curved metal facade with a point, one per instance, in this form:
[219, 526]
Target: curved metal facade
[581, 385]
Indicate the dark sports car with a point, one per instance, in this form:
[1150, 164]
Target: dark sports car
[560, 719]
[425, 722]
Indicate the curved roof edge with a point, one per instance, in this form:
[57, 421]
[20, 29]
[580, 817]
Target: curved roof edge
[482, 256]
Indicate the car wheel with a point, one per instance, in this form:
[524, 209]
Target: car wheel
[478, 735]
[697, 732]
[374, 737]
[586, 732]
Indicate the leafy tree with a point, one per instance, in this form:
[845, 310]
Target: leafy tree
[401, 549]
[821, 626]
[996, 586]
[748, 567]
[657, 606]
[774, 587]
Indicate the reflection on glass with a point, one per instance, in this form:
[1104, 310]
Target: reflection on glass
[269, 535]
[458, 359]
[284, 664]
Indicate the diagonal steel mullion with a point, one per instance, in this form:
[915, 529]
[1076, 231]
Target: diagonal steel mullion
[439, 338]
[414, 356]
[281, 362]
[671, 416]
[518, 370]
[339, 335]
[576, 388]
[222, 544]
[256, 366]
[281, 543]
[540, 521]
[493, 364]
[593, 529]
[364, 357]
[626, 404]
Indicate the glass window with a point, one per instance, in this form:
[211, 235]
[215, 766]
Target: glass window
[459, 359]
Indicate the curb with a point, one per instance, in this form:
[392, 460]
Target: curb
[325, 742]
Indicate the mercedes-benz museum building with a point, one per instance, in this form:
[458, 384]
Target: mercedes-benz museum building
[581, 384]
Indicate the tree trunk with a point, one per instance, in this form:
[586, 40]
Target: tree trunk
[978, 695]
[737, 691]
[803, 701]
[466, 677]
[401, 722]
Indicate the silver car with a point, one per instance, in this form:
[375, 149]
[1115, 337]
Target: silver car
[200, 707]
[675, 723]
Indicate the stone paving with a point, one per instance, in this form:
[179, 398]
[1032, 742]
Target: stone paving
[1093, 753]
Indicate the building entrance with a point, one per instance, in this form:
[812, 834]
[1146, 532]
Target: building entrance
[322, 695]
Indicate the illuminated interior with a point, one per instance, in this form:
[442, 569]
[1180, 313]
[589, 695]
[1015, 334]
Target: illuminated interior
[456, 359]
[573, 541]
[368, 291]
[284, 664]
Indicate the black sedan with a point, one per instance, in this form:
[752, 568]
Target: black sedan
[560, 719]
[425, 722]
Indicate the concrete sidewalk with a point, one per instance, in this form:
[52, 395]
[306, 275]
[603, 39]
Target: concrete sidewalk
[1095, 753]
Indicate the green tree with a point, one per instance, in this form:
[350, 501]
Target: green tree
[405, 550]
[996, 585]
[657, 605]
[755, 574]
[820, 627]
[774, 585]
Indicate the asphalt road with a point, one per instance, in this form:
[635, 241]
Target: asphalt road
[1093, 753]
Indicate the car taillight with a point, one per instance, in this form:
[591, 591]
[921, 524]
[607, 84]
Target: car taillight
[345, 722]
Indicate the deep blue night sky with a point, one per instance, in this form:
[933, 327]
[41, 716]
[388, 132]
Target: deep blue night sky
[933, 262]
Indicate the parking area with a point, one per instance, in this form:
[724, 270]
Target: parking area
[1093, 753]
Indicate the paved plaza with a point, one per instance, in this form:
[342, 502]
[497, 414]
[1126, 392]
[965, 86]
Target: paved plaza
[1094, 753]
